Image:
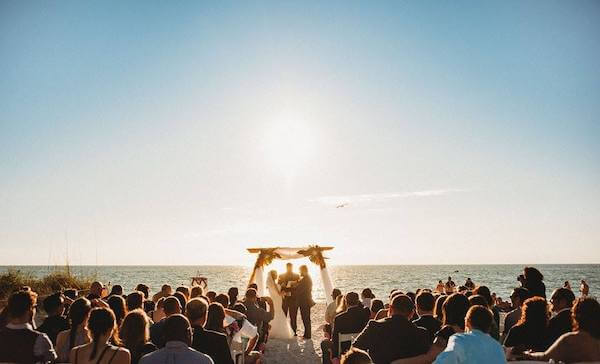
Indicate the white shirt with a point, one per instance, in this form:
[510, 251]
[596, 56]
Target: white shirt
[43, 346]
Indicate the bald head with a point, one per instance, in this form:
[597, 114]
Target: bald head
[177, 328]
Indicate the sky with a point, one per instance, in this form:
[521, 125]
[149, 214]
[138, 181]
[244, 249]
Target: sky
[402, 132]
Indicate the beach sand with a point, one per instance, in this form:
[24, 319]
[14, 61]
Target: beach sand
[299, 350]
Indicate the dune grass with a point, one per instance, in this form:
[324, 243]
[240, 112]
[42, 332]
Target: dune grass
[14, 279]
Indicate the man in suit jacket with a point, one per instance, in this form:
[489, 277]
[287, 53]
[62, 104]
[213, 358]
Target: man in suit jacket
[425, 303]
[288, 304]
[394, 337]
[211, 343]
[353, 320]
[304, 301]
[562, 301]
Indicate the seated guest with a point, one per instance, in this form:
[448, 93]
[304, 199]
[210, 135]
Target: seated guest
[394, 337]
[353, 320]
[135, 300]
[185, 290]
[246, 331]
[149, 307]
[517, 298]
[103, 329]
[255, 314]
[376, 306]
[356, 356]
[165, 291]
[439, 303]
[475, 345]
[178, 336]
[79, 313]
[196, 291]
[97, 291]
[366, 296]
[211, 343]
[159, 312]
[144, 289]
[561, 301]
[135, 335]
[211, 296]
[116, 290]
[581, 345]
[330, 310]
[454, 312]
[531, 332]
[223, 299]
[533, 280]
[182, 300]
[233, 293]
[54, 305]
[171, 307]
[425, 303]
[117, 305]
[19, 342]
[491, 304]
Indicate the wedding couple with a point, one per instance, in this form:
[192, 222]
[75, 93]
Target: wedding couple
[290, 292]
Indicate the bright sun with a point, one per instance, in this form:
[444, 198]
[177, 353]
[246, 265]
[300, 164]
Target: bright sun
[289, 144]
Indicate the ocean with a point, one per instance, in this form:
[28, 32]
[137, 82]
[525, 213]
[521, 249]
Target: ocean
[380, 278]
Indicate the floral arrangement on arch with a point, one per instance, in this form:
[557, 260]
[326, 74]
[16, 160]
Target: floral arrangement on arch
[314, 254]
[266, 257]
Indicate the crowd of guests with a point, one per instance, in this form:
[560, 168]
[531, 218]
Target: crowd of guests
[186, 325]
[451, 324]
[448, 324]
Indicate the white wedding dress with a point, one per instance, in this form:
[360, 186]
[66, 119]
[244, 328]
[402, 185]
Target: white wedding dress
[280, 326]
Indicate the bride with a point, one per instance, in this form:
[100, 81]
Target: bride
[280, 326]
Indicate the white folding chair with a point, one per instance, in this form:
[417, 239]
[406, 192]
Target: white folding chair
[344, 338]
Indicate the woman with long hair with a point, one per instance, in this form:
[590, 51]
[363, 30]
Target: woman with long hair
[135, 335]
[103, 329]
[533, 280]
[79, 312]
[531, 332]
[583, 343]
[216, 317]
[439, 303]
[117, 305]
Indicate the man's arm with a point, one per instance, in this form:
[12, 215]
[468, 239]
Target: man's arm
[364, 339]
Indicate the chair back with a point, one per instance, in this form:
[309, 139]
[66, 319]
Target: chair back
[345, 338]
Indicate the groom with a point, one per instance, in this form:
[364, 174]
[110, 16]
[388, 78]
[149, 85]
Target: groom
[304, 301]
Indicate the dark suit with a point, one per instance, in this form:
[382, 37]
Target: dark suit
[429, 323]
[558, 325]
[351, 321]
[213, 344]
[304, 301]
[392, 338]
[288, 303]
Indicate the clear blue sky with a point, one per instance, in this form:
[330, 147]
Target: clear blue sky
[181, 133]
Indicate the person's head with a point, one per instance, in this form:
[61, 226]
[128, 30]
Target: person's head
[274, 275]
[22, 306]
[196, 311]
[223, 299]
[144, 289]
[367, 293]
[518, 296]
[196, 291]
[455, 309]
[233, 293]
[102, 326]
[352, 299]
[96, 289]
[303, 270]
[440, 282]
[439, 303]
[289, 267]
[534, 314]
[79, 312]
[166, 290]
[485, 292]
[240, 307]
[561, 299]
[425, 303]
[449, 278]
[211, 296]
[54, 305]
[355, 356]
[117, 290]
[117, 305]
[178, 328]
[251, 295]
[403, 306]
[185, 290]
[479, 318]
[71, 293]
[468, 279]
[215, 317]
[182, 300]
[477, 300]
[135, 329]
[532, 275]
[586, 316]
[149, 306]
[135, 300]
[335, 293]
[376, 305]
[171, 306]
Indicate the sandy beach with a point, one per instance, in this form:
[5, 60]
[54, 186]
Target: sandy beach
[299, 350]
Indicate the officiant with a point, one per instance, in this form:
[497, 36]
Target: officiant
[286, 282]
